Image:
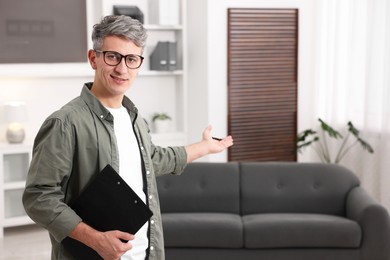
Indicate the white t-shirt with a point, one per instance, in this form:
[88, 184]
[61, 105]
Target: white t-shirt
[130, 170]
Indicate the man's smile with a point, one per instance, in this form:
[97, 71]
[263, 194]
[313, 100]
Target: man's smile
[118, 79]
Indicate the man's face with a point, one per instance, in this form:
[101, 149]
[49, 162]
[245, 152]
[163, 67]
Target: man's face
[111, 81]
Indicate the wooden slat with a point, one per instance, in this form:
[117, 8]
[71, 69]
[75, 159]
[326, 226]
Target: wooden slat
[262, 83]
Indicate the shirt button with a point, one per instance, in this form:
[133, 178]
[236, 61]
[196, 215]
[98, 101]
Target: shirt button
[152, 248]
[101, 116]
[142, 148]
[147, 172]
[152, 222]
[150, 196]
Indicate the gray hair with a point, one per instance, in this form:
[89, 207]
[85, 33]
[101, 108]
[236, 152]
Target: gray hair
[119, 25]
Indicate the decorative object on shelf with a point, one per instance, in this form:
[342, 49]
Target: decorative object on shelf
[320, 146]
[164, 56]
[129, 10]
[162, 122]
[164, 12]
[15, 114]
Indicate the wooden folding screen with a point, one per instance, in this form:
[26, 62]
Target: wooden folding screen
[262, 83]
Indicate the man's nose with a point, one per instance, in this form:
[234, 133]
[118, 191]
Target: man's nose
[121, 67]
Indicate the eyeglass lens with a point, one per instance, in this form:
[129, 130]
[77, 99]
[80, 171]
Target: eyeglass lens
[113, 58]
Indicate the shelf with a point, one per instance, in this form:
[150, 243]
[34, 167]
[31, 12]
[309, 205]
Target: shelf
[75, 70]
[17, 221]
[15, 148]
[169, 139]
[13, 206]
[14, 163]
[64, 70]
[45, 70]
[156, 27]
[160, 73]
[14, 185]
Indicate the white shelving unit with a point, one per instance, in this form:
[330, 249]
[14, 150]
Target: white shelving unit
[158, 91]
[14, 163]
[153, 91]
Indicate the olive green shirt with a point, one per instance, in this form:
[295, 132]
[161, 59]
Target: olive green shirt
[72, 145]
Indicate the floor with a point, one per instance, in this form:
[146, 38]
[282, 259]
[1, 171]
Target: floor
[27, 242]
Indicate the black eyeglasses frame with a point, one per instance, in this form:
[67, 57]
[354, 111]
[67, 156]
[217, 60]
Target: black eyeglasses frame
[122, 57]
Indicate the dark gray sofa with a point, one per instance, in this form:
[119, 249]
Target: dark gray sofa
[290, 211]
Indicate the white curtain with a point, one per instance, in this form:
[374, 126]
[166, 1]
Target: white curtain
[352, 82]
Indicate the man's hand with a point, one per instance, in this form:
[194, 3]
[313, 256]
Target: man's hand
[108, 244]
[215, 145]
[207, 145]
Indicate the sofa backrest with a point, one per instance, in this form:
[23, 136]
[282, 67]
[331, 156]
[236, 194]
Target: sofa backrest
[295, 188]
[202, 187]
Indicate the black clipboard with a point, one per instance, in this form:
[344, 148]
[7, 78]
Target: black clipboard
[108, 203]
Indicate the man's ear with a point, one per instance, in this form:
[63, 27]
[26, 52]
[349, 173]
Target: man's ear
[92, 58]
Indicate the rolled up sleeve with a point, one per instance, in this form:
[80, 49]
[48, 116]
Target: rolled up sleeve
[50, 169]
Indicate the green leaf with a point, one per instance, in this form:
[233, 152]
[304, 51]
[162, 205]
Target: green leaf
[328, 129]
[309, 137]
[353, 130]
[161, 116]
[305, 134]
[308, 143]
[366, 146]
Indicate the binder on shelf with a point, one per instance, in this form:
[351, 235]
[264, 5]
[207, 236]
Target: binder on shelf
[159, 57]
[172, 56]
[129, 10]
[108, 203]
[164, 56]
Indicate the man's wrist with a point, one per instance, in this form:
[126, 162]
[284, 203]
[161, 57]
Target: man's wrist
[86, 235]
[197, 150]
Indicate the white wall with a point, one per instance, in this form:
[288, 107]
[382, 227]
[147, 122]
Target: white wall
[208, 62]
[46, 87]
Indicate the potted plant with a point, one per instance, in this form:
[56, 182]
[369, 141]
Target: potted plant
[319, 141]
[162, 122]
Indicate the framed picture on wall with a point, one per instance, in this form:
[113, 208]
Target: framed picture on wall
[43, 31]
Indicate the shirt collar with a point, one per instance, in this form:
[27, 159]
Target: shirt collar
[98, 108]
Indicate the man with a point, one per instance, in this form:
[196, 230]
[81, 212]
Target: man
[102, 126]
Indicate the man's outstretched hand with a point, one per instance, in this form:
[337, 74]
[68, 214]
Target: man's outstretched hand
[208, 145]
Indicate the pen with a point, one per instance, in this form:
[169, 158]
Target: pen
[218, 139]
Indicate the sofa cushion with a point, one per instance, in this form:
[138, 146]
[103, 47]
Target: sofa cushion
[202, 187]
[295, 188]
[211, 230]
[300, 230]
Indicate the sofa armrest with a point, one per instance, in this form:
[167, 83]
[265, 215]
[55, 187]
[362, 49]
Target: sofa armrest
[374, 221]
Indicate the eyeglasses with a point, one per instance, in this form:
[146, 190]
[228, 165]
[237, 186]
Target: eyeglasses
[113, 58]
